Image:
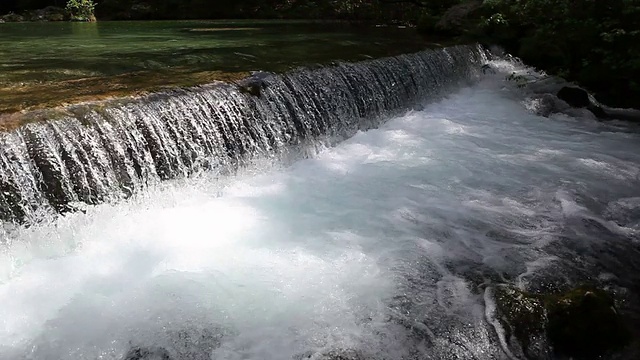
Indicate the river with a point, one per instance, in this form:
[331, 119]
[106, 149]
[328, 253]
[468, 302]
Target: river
[382, 244]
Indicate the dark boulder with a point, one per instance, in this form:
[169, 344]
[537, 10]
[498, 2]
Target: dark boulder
[12, 17]
[580, 98]
[584, 324]
[50, 13]
[574, 96]
[254, 84]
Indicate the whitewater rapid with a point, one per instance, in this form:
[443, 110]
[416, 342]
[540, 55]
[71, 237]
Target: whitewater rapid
[381, 244]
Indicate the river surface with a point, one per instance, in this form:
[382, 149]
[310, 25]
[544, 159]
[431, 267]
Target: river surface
[377, 245]
[45, 64]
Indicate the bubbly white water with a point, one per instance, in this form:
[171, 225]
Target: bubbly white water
[378, 244]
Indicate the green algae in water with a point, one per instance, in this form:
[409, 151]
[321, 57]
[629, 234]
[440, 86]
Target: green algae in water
[40, 62]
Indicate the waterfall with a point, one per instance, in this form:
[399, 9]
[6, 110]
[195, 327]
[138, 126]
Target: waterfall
[107, 151]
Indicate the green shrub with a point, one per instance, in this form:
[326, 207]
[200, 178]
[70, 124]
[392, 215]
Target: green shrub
[81, 10]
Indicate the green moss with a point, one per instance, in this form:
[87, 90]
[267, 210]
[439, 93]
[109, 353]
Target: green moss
[583, 323]
[522, 315]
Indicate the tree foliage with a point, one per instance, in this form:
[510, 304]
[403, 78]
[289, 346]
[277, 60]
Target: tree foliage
[596, 43]
[81, 9]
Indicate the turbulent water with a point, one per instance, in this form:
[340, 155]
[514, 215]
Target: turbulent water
[381, 246]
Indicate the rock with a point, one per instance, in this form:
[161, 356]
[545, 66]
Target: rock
[581, 323]
[343, 355]
[574, 96]
[195, 344]
[453, 20]
[141, 10]
[12, 17]
[144, 353]
[545, 104]
[56, 17]
[254, 84]
[53, 13]
[580, 98]
[622, 114]
[338, 354]
[188, 343]
[523, 318]
[584, 324]
[49, 13]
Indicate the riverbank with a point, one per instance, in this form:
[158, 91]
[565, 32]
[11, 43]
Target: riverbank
[593, 44]
[48, 14]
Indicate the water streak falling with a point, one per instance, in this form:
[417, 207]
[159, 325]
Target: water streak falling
[105, 152]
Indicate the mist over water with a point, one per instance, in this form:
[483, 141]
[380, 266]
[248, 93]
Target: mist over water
[382, 244]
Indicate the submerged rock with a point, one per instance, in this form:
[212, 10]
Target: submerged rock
[581, 323]
[523, 317]
[337, 354]
[143, 353]
[545, 104]
[191, 344]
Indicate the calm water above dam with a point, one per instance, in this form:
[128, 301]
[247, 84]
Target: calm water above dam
[44, 64]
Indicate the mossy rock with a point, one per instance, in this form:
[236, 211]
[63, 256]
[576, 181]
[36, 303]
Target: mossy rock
[523, 318]
[584, 324]
[581, 323]
[12, 17]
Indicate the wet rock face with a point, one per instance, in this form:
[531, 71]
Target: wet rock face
[523, 317]
[581, 323]
[12, 17]
[574, 96]
[584, 324]
[580, 98]
[254, 84]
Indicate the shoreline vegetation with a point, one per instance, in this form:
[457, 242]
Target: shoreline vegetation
[593, 44]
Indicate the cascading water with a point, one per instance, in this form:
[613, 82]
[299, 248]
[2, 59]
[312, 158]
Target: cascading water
[103, 153]
[384, 246]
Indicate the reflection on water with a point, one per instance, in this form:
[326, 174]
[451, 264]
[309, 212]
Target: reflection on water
[85, 29]
[36, 57]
